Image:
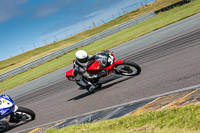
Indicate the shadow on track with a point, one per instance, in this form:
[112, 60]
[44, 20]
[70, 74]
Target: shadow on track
[102, 88]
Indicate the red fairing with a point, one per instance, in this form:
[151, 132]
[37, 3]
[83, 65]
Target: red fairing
[118, 62]
[94, 67]
[70, 73]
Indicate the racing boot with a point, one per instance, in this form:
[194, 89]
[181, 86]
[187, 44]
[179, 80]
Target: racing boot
[80, 88]
[91, 88]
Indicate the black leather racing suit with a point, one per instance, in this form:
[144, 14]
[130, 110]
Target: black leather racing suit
[82, 77]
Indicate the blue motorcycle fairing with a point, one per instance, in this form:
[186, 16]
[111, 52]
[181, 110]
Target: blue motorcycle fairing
[8, 110]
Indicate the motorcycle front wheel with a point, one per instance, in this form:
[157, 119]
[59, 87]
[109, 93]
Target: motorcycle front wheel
[27, 114]
[127, 69]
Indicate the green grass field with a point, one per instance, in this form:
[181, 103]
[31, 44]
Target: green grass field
[19, 60]
[133, 32]
[177, 120]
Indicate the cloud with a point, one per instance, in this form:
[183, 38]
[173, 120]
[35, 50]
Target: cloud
[47, 9]
[5, 15]
[110, 10]
[95, 13]
[44, 12]
[10, 8]
[87, 20]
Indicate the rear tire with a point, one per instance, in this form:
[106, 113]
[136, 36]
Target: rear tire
[127, 69]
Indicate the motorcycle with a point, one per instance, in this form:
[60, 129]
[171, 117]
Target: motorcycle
[11, 114]
[105, 61]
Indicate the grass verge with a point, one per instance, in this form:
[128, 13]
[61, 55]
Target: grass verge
[182, 119]
[133, 32]
[26, 57]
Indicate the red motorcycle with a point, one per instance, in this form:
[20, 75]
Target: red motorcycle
[105, 61]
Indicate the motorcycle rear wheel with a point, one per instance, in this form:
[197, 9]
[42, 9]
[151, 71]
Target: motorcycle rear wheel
[127, 69]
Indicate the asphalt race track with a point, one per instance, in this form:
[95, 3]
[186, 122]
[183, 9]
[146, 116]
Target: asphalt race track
[169, 64]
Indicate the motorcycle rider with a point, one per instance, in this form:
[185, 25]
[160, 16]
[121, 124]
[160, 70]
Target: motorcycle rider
[81, 75]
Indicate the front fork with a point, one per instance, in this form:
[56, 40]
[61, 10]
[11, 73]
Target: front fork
[15, 117]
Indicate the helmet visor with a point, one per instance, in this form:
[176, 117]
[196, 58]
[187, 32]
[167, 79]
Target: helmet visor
[84, 60]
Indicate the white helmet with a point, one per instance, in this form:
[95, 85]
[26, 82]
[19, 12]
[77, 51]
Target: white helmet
[81, 57]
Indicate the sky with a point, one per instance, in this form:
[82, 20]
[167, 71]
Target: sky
[26, 24]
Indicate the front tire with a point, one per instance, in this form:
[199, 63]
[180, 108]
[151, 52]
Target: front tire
[27, 114]
[127, 69]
